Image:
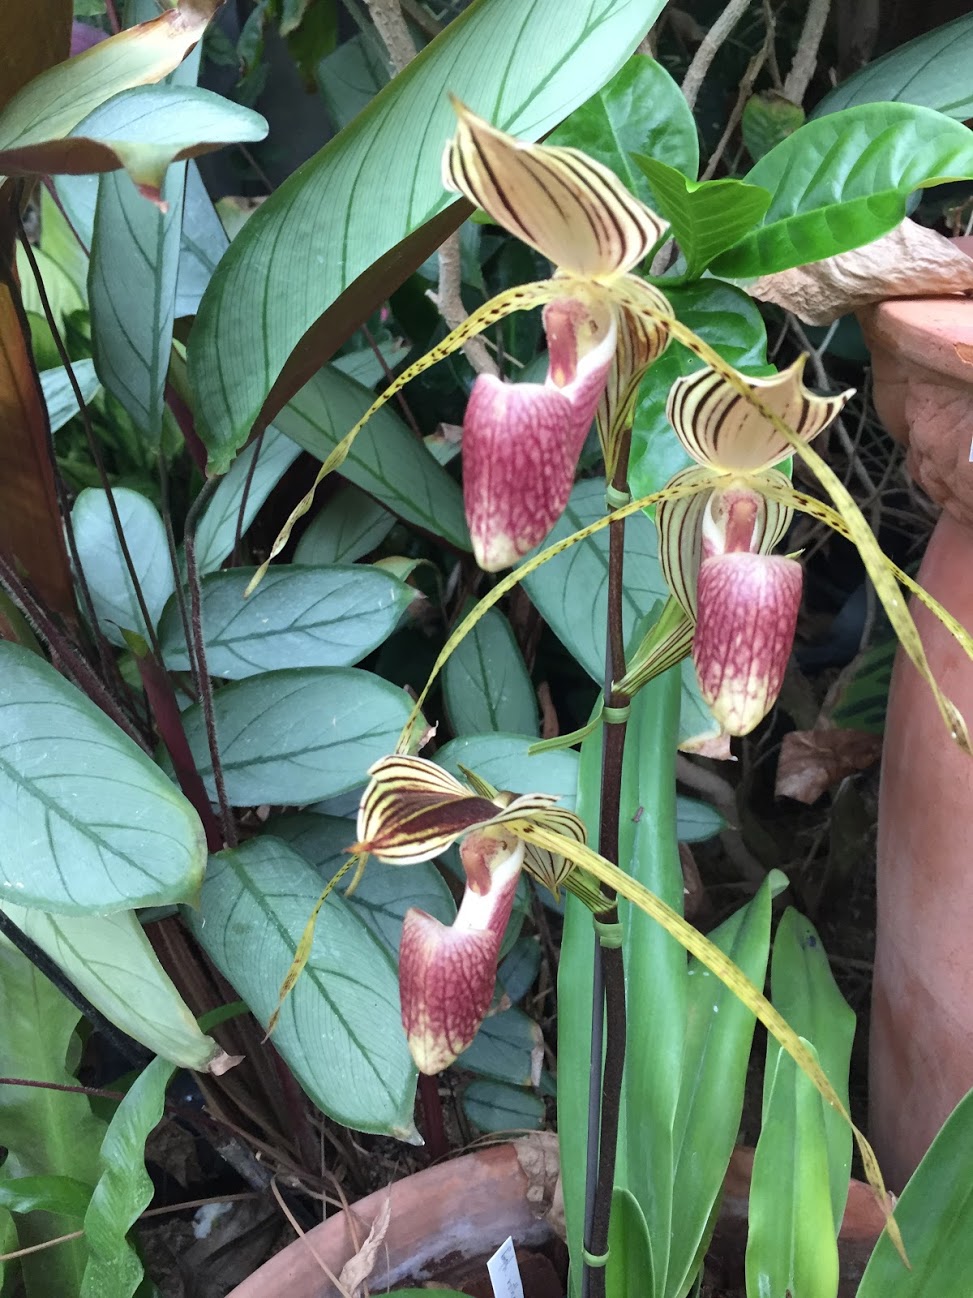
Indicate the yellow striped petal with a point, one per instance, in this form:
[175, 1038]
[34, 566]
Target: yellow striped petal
[680, 524]
[641, 339]
[720, 428]
[561, 202]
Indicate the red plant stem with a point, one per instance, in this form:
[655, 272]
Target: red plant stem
[187, 426]
[434, 1128]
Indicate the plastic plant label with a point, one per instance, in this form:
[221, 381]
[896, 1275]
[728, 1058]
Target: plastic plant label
[504, 1272]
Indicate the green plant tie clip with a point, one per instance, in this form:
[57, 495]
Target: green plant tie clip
[609, 935]
[595, 1259]
[615, 716]
[617, 499]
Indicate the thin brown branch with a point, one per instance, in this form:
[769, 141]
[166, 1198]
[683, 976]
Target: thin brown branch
[709, 47]
[806, 55]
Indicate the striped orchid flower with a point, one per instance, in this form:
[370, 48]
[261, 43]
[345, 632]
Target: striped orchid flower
[411, 811]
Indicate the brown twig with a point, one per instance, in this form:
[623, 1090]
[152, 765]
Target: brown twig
[709, 47]
[806, 55]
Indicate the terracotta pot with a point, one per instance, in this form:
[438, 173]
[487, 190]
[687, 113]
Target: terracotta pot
[450, 1216]
[921, 1045]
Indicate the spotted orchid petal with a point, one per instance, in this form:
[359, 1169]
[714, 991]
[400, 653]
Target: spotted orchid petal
[521, 441]
[641, 340]
[719, 428]
[447, 973]
[559, 201]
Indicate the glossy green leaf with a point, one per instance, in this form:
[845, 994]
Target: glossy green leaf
[88, 823]
[935, 1215]
[729, 320]
[504, 761]
[805, 992]
[59, 397]
[629, 1270]
[497, 1106]
[641, 110]
[932, 70]
[298, 735]
[767, 119]
[111, 962]
[384, 892]
[45, 1132]
[105, 569]
[843, 180]
[705, 216]
[339, 1030]
[297, 617]
[387, 460]
[349, 526]
[696, 821]
[217, 528]
[124, 1189]
[64, 1195]
[509, 1047]
[323, 229]
[791, 1244]
[486, 684]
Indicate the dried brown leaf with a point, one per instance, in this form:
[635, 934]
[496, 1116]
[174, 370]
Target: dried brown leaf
[812, 760]
[909, 261]
[357, 1269]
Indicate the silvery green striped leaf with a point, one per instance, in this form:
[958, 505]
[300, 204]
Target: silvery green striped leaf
[349, 526]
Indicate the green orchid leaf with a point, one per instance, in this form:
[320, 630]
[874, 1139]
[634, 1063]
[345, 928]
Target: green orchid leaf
[791, 1243]
[111, 962]
[384, 893]
[504, 761]
[351, 77]
[71, 843]
[519, 969]
[705, 216]
[843, 180]
[339, 1030]
[105, 569]
[641, 110]
[696, 821]
[297, 617]
[630, 1269]
[935, 1215]
[387, 460]
[124, 1189]
[486, 685]
[65, 1196]
[932, 71]
[59, 397]
[509, 1047]
[348, 527]
[498, 1106]
[729, 320]
[322, 252]
[202, 244]
[320, 730]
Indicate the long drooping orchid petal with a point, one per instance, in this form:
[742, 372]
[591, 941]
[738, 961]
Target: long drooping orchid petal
[641, 340]
[521, 443]
[722, 429]
[561, 202]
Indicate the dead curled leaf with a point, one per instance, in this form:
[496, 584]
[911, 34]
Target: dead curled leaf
[812, 760]
[357, 1269]
[909, 261]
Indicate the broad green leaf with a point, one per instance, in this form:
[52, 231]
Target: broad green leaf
[297, 617]
[59, 397]
[791, 1244]
[124, 1189]
[509, 1047]
[339, 1030]
[298, 735]
[767, 119]
[641, 110]
[111, 962]
[864, 696]
[554, 590]
[325, 227]
[486, 684]
[351, 77]
[64, 1195]
[497, 1106]
[932, 70]
[705, 216]
[384, 892]
[805, 992]
[729, 320]
[105, 569]
[45, 1132]
[217, 528]
[88, 823]
[504, 761]
[696, 821]
[387, 460]
[843, 180]
[935, 1215]
[629, 1270]
[518, 971]
[369, 365]
[202, 244]
[63, 295]
[53, 103]
[349, 526]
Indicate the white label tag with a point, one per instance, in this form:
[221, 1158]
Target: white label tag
[505, 1273]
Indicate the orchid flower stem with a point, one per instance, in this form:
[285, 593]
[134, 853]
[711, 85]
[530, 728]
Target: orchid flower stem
[608, 1026]
[433, 1125]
